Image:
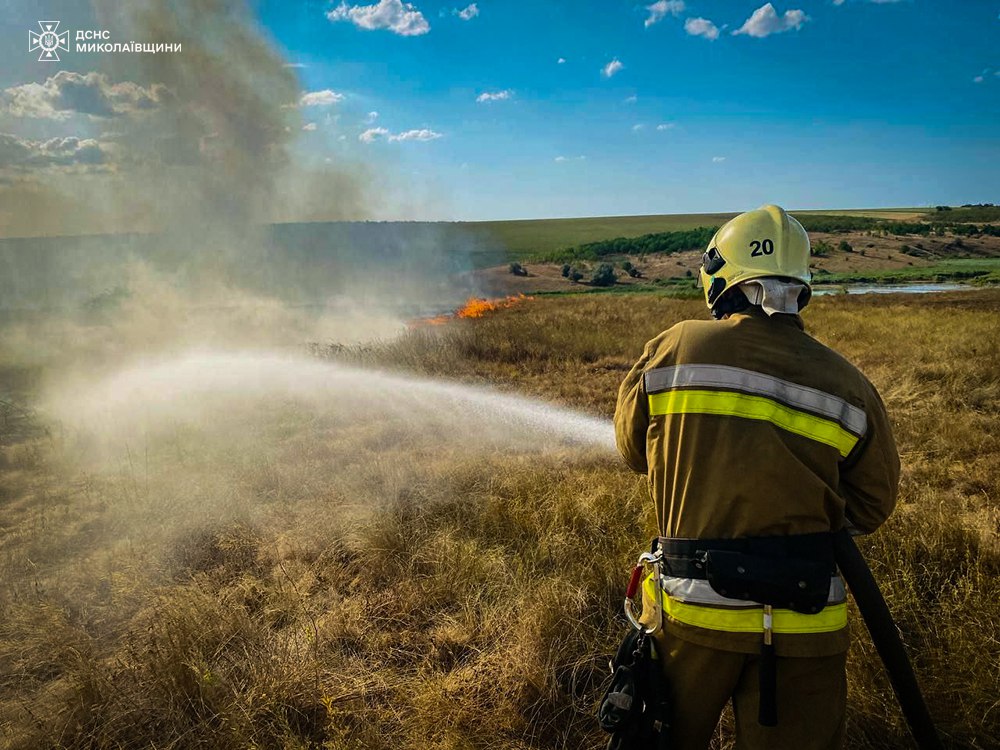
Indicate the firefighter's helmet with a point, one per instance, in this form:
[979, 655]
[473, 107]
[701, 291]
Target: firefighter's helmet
[763, 243]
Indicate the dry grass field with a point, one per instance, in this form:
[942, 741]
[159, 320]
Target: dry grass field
[300, 554]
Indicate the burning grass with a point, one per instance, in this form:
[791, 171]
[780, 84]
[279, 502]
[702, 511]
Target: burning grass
[474, 307]
[278, 579]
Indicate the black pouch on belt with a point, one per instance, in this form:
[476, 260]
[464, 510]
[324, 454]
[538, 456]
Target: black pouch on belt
[784, 582]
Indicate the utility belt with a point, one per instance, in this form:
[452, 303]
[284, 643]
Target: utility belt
[790, 572]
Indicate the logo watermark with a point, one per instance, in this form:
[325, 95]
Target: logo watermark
[50, 41]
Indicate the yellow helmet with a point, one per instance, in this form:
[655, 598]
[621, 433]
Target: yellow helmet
[757, 244]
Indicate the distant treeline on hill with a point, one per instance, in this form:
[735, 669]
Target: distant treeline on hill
[660, 242]
[697, 239]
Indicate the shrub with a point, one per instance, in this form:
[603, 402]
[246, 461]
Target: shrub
[575, 275]
[821, 249]
[845, 247]
[565, 270]
[604, 275]
[518, 270]
[627, 265]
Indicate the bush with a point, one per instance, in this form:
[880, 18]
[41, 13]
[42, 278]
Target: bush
[565, 270]
[845, 247]
[575, 275]
[518, 270]
[634, 272]
[604, 275]
[627, 266]
[821, 249]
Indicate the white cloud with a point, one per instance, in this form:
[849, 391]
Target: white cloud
[310, 126]
[371, 117]
[416, 135]
[666, 126]
[766, 21]
[494, 96]
[631, 99]
[718, 159]
[637, 127]
[658, 10]
[977, 79]
[322, 98]
[701, 27]
[21, 154]
[393, 15]
[294, 65]
[560, 61]
[468, 13]
[561, 159]
[91, 94]
[373, 134]
[875, 2]
[612, 67]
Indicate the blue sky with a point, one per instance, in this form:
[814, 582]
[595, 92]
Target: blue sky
[519, 110]
[857, 104]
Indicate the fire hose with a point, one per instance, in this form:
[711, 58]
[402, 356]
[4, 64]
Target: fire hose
[886, 638]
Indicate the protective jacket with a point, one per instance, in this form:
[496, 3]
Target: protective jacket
[749, 427]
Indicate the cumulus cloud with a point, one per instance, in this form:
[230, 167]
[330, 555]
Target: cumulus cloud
[309, 126]
[637, 127]
[92, 94]
[416, 135]
[701, 27]
[371, 117]
[495, 96]
[374, 134]
[560, 159]
[659, 10]
[718, 159]
[766, 21]
[322, 98]
[561, 60]
[392, 15]
[631, 99]
[612, 67]
[20, 153]
[666, 126]
[467, 13]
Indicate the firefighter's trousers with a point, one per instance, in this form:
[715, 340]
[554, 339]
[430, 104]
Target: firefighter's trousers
[812, 697]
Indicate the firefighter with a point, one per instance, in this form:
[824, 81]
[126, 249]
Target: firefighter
[758, 442]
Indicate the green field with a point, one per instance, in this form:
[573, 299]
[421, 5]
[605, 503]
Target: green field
[974, 270]
[533, 239]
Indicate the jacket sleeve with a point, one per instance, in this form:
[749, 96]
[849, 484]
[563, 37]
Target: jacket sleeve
[869, 482]
[632, 415]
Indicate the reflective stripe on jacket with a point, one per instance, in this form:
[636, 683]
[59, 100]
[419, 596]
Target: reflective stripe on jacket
[750, 427]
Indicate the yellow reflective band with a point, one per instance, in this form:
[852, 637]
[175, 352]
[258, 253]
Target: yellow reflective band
[751, 619]
[731, 404]
[833, 617]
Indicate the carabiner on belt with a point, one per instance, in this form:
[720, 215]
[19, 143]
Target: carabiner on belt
[647, 561]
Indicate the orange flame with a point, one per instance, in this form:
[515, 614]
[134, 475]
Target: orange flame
[474, 307]
[477, 308]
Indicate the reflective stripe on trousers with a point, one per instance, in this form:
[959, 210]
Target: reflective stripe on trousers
[693, 602]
